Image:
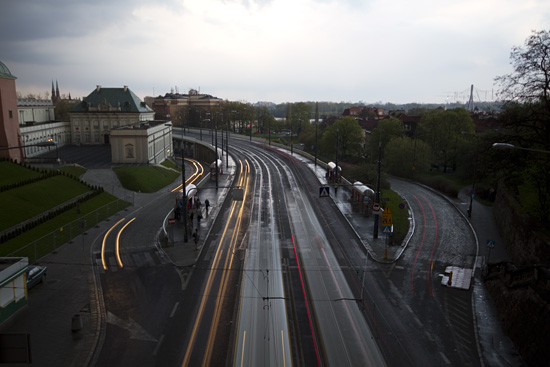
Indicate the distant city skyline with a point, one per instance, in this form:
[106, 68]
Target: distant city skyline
[278, 51]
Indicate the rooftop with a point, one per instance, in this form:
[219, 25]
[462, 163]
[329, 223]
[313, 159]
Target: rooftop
[112, 100]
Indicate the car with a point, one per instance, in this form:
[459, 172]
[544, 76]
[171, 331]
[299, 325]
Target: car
[35, 274]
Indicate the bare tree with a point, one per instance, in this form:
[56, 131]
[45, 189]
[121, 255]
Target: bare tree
[526, 116]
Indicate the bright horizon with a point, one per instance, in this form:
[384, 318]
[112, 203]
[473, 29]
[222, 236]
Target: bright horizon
[276, 51]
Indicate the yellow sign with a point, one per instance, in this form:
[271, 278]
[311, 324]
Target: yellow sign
[387, 218]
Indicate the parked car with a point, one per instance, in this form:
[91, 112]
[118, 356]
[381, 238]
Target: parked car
[35, 274]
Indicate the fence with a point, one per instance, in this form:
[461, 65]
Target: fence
[53, 240]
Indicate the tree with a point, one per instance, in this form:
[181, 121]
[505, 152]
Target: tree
[386, 130]
[526, 117]
[300, 114]
[345, 135]
[266, 121]
[404, 156]
[442, 130]
[530, 80]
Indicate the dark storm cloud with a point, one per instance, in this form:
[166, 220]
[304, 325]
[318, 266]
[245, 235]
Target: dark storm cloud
[23, 20]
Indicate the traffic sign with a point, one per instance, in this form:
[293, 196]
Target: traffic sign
[491, 243]
[387, 217]
[387, 229]
[375, 207]
[324, 191]
[171, 221]
[384, 199]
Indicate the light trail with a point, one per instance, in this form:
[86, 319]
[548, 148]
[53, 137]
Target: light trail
[199, 171]
[209, 283]
[105, 241]
[117, 252]
[306, 302]
[225, 276]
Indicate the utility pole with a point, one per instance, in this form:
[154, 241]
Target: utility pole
[185, 238]
[217, 171]
[377, 198]
[316, 125]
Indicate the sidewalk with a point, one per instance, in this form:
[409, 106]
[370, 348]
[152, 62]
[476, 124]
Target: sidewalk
[183, 254]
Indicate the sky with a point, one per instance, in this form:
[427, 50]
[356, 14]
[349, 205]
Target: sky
[370, 51]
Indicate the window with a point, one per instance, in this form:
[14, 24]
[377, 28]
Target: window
[129, 150]
[11, 114]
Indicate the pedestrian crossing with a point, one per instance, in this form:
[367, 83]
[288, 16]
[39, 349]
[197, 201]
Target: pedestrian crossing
[141, 258]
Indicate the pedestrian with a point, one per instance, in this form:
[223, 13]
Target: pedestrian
[196, 237]
[199, 217]
[206, 205]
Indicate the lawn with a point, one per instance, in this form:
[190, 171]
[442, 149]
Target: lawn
[145, 178]
[75, 171]
[27, 201]
[400, 217]
[13, 173]
[63, 227]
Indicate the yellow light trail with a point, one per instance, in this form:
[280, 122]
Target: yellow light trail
[225, 276]
[104, 241]
[199, 171]
[209, 282]
[119, 261]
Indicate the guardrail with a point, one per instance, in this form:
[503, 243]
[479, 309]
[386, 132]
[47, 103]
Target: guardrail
[62, 235]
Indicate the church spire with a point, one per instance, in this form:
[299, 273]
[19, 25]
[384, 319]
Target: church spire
[53, 92]
[56, 90]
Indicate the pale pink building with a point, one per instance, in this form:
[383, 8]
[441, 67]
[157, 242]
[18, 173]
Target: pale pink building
[11, 144]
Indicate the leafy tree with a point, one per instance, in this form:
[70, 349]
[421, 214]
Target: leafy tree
[442, 130]
[300, 114]
[526, 117]
[386, 130]
[265, 119]
[404, 156]
[346, 135]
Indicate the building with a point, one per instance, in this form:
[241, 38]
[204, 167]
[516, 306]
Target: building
[32, 111]
[148, 142]
[167, 106]
[104, 109]
[10, 135]
[13, 285]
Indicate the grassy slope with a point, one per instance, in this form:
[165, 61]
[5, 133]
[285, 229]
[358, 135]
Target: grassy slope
[27, 201]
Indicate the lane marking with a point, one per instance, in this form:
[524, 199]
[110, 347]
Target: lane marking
[174, 309]
[158, 345]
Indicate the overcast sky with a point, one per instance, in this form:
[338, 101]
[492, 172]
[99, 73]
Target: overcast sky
[398, 51]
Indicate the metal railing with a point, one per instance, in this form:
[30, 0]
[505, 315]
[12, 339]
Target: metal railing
[62, 235]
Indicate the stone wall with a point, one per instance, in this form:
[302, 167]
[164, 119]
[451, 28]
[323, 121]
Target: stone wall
[524, 245]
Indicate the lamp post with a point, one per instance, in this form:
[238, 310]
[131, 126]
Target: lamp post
[185, 237]
[48, 143]
[217, 171]
[511, 146]
[473, 190]
[377, 197]
[316, 125]
[227, 146]
[336, 169]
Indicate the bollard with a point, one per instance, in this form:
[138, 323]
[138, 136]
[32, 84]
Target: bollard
[76, 323]
[386, 253]
[450, 281]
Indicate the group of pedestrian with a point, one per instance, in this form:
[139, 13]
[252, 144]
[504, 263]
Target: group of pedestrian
[194, 208]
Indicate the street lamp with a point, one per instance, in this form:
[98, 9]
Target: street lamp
[511, 146]
[473, 190]
[377, 197]
[185, 238]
